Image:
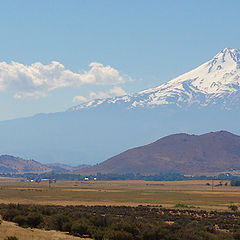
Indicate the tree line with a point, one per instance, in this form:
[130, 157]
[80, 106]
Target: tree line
[171, 176]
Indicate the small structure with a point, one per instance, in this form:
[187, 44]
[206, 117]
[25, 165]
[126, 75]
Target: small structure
[45, 179]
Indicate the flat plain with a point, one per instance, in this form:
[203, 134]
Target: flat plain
[196, 193]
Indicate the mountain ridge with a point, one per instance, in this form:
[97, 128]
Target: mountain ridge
[180, 153]
[17, 165]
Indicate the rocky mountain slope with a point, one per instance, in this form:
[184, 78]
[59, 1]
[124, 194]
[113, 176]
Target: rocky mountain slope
[181, 153]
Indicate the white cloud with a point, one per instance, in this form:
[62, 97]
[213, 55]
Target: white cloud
[37, 79]
[80, 99]
[118, 91]
[98, 74]
[98, 95]
[115, 91]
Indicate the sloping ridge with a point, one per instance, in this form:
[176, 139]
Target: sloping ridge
[11, 164]
[181, 153]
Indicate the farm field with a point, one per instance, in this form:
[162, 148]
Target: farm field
[129, 193]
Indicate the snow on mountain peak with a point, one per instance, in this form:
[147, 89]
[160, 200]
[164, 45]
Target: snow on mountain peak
[216, 75]
[216, 81]
[232, 53]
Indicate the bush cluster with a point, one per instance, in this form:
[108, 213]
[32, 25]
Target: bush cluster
[127, 223]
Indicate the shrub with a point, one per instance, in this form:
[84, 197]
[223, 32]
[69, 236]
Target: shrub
[181, 205]
[119, 235]
[99, 221]
[98, 234]
[20, 220]
[9, 214]
[79, 229]
[67, 226]
[11, 238]
[233, 207]
[148, 235]
[236, 235]
[34, 219]
[58, 222]
[126, 226]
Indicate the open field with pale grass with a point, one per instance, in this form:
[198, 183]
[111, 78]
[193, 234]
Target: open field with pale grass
[11, 229]
[131, 193]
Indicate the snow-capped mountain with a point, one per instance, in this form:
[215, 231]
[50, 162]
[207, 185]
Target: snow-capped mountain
[214, 82]
[203, 100]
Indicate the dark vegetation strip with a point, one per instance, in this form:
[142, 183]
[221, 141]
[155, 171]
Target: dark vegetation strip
[127, 223]
[129, 176]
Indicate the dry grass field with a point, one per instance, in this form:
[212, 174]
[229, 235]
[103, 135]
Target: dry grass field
[194, 193]
[11, 229]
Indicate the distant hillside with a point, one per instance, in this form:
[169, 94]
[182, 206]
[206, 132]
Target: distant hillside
[58, 167]
[10, 164]
[181, 153]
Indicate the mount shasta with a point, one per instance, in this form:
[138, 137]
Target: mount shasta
[216, 81]
[202, 100]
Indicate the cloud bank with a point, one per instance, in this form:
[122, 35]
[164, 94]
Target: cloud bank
[115, 91]
[37, 79]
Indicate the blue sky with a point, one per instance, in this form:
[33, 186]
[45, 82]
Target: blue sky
[132, 45]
